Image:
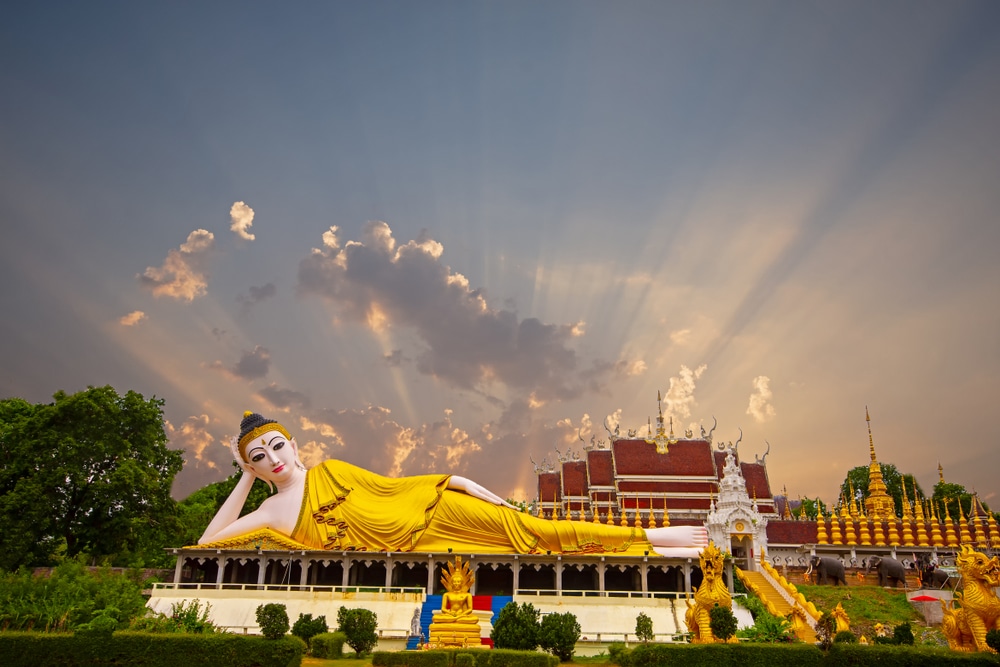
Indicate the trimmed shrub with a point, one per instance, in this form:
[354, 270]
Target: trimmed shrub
[904, 656]
[273, 620]
[328, 645]
[845, 637]
[644, 628]
[140, 649]
[360, 629]
[516, 627]
[558, 634]
[993, 639]
[902, 634]
[722, 622]
[722, 655]
[465, 660]
[617, 652]
[308, 627]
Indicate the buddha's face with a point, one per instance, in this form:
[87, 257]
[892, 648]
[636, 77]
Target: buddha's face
[272, 457]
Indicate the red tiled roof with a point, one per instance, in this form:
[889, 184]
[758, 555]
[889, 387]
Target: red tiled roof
[791, 532]
[687, 457]
[549, 487]
[574, 478]
[757, 482]
[600, 468]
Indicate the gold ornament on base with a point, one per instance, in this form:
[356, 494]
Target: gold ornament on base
[456, 626]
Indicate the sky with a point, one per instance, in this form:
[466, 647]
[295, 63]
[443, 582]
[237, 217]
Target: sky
[463, 237]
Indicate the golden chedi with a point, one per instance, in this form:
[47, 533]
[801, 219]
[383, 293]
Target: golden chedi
[456, 625]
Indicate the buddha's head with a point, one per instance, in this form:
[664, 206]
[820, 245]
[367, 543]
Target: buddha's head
[267, 449]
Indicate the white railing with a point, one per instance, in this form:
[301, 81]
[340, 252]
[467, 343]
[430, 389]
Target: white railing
[667, 595]
[313, 588]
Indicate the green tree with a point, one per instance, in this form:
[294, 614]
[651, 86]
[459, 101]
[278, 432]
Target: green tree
[858, 478]
[361, 628]
[644, 628]
[722, 621]
[308, 627]
[558, 634]
[811, 507]
[953, 494]
[516, 627]
[273, 620]
[89, 473]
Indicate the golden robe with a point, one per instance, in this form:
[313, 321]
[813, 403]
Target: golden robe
[349, 508]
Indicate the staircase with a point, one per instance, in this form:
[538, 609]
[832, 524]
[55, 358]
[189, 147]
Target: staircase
[775, 597]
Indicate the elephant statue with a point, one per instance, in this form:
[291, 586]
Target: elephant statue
[890, 571]
[828, 570]
[931, 577]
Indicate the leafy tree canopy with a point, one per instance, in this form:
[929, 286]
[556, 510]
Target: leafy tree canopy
[858, 479]
[197, 510]
[950, 495]
[89, 473]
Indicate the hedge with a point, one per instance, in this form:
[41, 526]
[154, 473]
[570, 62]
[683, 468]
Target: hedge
[141, 649]
[719, 655]
[463, 657]
[327, 645]
[904, 656]
[777, 655]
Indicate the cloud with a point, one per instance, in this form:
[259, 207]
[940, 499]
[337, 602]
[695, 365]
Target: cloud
[283, 398]
[182, 275]
[381, 284]
[252, 365]
[680, 396]
[760, 407]
[680, 336]
[256, 294]
[241, 217]
[395, 358]
[132, 318]
[373, 439]
[194, 438]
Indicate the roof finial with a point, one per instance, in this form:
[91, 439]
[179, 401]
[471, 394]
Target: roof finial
[871, 441]
[940, 472]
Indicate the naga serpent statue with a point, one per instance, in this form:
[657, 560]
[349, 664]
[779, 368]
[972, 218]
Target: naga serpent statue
[711, 592]
[966, 627]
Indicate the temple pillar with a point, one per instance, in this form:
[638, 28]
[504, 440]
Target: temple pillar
[516, 567]
[304, 572]
[559, 571]
[178, 568]
[347, 571]
[261, 568]
[219, 576]
[388, 571]
[687, 577]
[729, 576]
[644, 577]
[600, 575]
[430, 575]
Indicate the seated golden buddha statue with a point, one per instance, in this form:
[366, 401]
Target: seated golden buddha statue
[456, 624]
[341, 507]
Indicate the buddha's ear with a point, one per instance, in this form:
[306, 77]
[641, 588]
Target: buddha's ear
[298, 459]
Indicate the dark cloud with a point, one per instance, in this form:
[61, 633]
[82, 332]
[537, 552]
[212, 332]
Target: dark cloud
[257, 294]
[252, 365]
[468, 343]
[396, 358]
[283, 398]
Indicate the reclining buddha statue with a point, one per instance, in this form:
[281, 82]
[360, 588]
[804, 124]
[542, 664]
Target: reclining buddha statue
[338, 506]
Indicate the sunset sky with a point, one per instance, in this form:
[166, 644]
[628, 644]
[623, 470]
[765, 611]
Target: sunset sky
[458, 236]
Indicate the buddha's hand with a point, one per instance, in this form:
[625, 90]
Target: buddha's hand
[476, 491]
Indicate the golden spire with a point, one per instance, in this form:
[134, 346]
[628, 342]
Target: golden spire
[878, 503]
[820, 524]
[918, 506]
[666, 514]
[937, 539]
[787, 514]
[949, 526]
[854, 502]
[940, 472]
[963, 524]
[863, 535]
[977, 511]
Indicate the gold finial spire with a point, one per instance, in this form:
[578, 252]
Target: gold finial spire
[940, 472]
[878, 503]
[871, 441]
